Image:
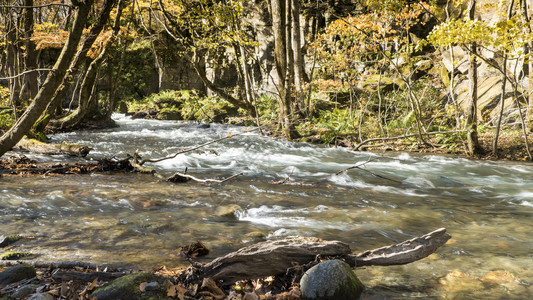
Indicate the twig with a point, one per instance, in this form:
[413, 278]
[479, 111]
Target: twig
[193, 148]
[370, 172]
[357, 166]
[181, 177]
[286, 179]
[24, 73]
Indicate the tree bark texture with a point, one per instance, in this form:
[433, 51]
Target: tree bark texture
[53, 80]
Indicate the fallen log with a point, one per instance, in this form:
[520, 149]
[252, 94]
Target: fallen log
[275, 257]
[63, 265]
[87, 276]
[33, 145]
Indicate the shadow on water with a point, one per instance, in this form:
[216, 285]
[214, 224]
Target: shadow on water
[140, 220]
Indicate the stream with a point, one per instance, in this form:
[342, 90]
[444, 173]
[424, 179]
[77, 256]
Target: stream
[140, 220]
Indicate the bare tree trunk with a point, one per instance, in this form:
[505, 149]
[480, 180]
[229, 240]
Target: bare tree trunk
[30, 60]
[298, 57]
[80, 58]
[88, 89]
[471, 114]
[281, 26]
[53, 80]
[502, 106]
[528, 48]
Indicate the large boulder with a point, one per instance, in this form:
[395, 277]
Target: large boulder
[331, 280]
[17, 273]
[128, 288]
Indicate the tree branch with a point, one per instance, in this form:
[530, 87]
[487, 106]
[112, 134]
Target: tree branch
[24, 73]
[193, 148]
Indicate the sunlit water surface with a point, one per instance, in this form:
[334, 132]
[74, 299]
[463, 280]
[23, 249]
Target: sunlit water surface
[140, 220]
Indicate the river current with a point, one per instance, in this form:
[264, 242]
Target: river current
[141, 220]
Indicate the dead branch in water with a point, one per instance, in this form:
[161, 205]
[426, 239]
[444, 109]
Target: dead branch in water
[182, 177]
[276, 256]
[142, 162]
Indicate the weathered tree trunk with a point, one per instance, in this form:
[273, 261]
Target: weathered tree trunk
[53, 80]
[275, 257]
[471, 114]
[31, 84]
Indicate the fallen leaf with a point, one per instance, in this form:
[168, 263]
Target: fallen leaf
[142, 287]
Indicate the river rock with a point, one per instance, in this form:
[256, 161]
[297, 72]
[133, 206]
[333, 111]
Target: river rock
[127, 287]
[24, 291]
[331, 280]
[41, 296]
[227, 211]
[17, 273]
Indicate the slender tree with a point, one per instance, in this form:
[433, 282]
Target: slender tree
[471, 111]
[52, 81]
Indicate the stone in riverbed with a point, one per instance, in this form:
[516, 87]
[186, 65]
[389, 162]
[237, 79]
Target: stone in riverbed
[17, 273]
[24, 291]
[331, 280]
[41, 296]
[127, 288]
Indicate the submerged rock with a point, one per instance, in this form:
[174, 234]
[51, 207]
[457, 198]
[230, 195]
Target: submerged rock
[17, 273]
[331, 280]
[127, 287]
[24, 291]
[41, 296]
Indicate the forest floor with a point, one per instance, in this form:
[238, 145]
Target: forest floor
[511, 146]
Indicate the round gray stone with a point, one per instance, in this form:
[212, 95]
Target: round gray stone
[41, 296]
[331, 280]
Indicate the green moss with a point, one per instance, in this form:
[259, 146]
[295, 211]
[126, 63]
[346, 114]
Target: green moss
[14, 255]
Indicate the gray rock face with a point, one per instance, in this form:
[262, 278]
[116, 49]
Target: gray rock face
[331, 280]
[17, 273]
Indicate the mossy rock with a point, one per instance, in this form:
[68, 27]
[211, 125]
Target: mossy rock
[127, 288]
[10, 239]
[170, 113]
[16, 274]
[331, 280]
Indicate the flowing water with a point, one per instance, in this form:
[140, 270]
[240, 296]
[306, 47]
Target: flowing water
[141, 220]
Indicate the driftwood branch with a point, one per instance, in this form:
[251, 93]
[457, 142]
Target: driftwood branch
[33, 145]
[275, 257]
[142, 162]
[356, 147]
[270, 258]
[182, 177]
[405, 252]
